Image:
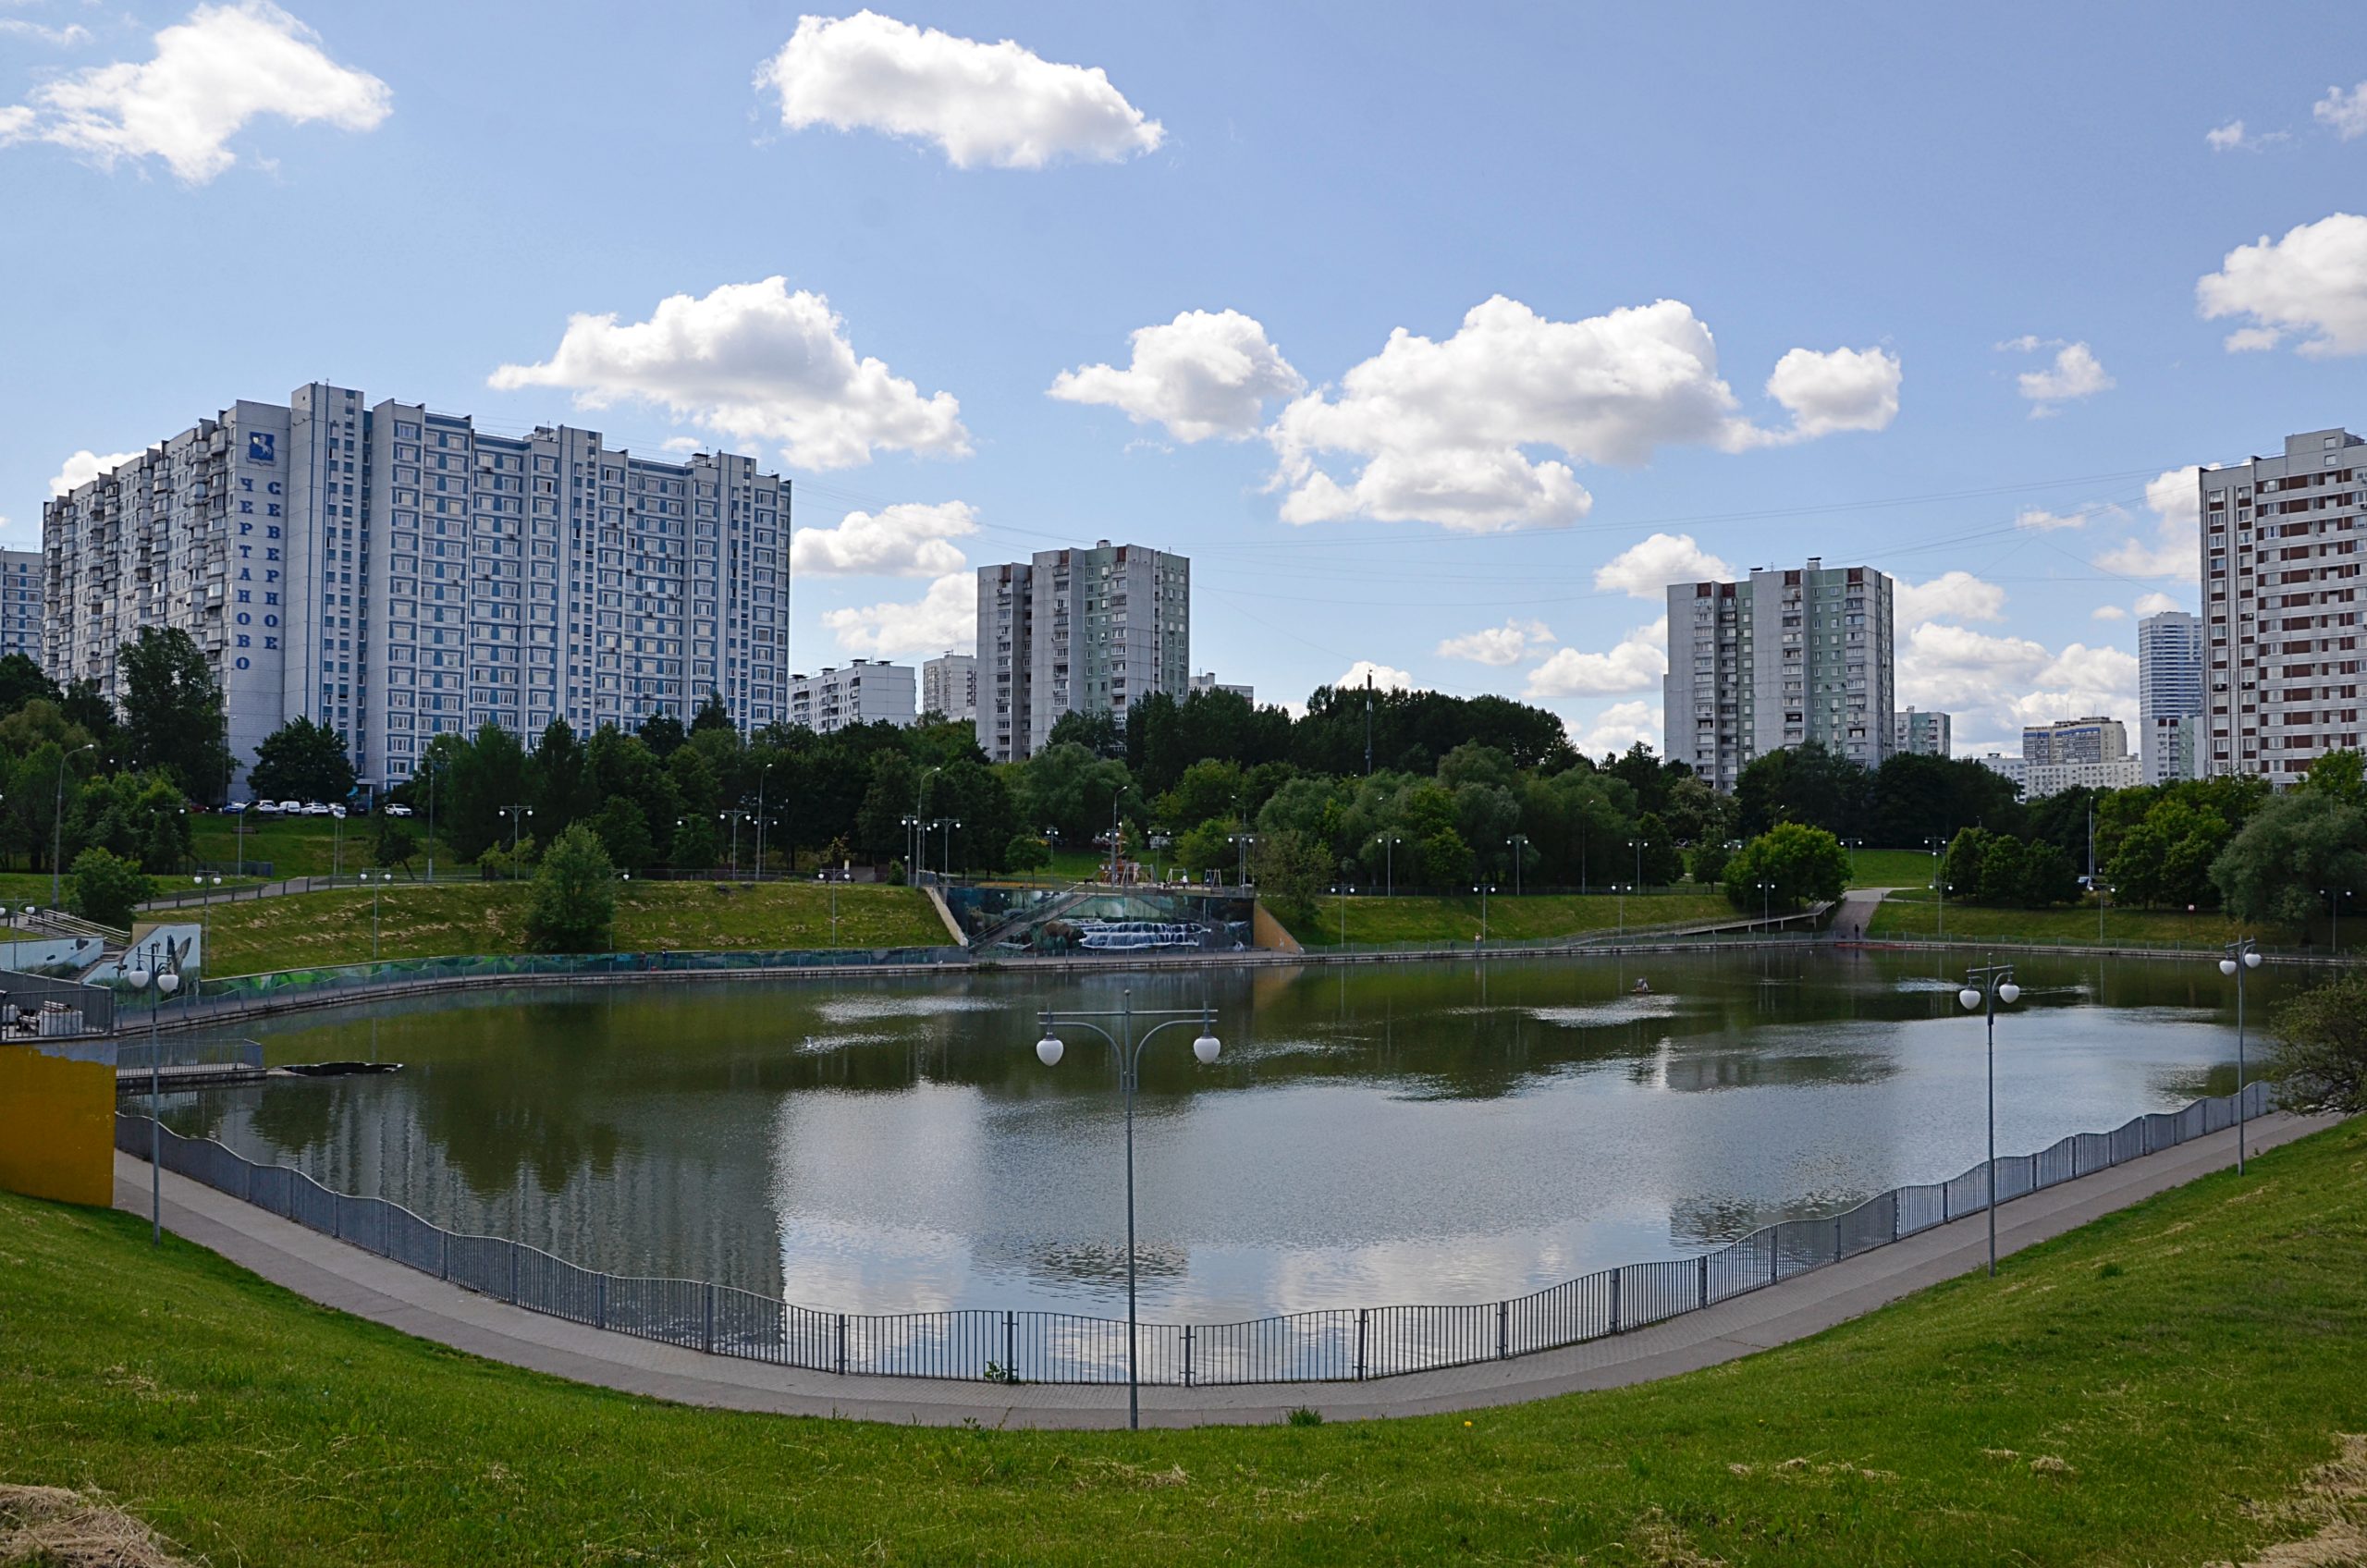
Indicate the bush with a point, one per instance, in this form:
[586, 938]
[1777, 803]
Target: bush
[107, 888]
[2319, 1059]
[1805, 864]
[572, 908]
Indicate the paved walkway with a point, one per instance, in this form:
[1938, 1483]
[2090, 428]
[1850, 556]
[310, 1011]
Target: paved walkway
[340, 1276]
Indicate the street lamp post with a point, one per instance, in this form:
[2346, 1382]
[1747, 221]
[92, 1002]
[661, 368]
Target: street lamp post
[1640, 846]
[946, 825]
[1340, 900]
[158, 982]
[516, 814]
[1985, 986]
[337, 842]
[2333, 897]
[735, 816]
[1483, 889]
[920, 809]
[1241, 843]
[435, 766]
[761, 774]
[377, 881]
[1766, 904]
[2242, 956]
[2102, 893]
[1942, 889]
[1518, 844]
[57, 821]
[1129, 1050]
[1621, 891]
[1388, 843]
[205, 908]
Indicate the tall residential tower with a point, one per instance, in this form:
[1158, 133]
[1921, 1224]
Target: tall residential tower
[1078, 631]
[2169, 695]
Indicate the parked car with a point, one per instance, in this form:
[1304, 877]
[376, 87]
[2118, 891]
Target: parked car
[398, 811]
[267, 808]
[315, 808]
[235, 807]
[291, 808]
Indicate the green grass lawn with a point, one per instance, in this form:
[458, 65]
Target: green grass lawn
[1918, 915]
[2153, 1389]
[301, 930]
[1890, 868]
[1531, 918]
[302, 846]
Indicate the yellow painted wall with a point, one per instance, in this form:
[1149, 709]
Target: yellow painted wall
[56, 1127]
[1266, 932]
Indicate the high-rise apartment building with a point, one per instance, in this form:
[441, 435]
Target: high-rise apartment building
[1078, 631]
[1787, 656]
[1922, 733]
[20, 598]
[2280, 601]
[2169, 693]
[396, 573]
[864, 692]
[949, 686]
[1207, 681]
[2073, 740]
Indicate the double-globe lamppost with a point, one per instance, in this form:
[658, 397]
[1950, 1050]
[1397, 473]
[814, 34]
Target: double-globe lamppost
[158, 982]
[2242, 956]
[1128, 1050]
[1985, 986]
[2334, 896]
[1483, 889]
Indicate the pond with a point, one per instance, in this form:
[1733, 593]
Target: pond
[1440, 1132]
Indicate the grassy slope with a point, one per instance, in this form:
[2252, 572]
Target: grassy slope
[1918, 915]
[1890, 868]
[2182, 1358]
[302, 846]
[306, 929]
[1412, 918]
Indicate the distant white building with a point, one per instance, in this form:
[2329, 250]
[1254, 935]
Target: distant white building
[2074, 739]
[2041, 779]
[1916, 732]
[949, 686]
[22, 576]
[864, 692]
[2009, 767]
[1208, 683]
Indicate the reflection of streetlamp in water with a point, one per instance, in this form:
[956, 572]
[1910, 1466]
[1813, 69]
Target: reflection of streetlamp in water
[1129, 1051]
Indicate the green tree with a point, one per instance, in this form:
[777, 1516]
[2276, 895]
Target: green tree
[713, 715]
[87, 708]
[1028, 852]
[1206, 847]
[301, 761]
[2164, 858]
[2299, 842]
[1804, 866]
[572, 907]
[2317, 1057]
[172, 711]
[1096, 732]
[22, 680]
[485, 778]
[1208, 789]
[108, 888]
[695, 845]
[623, 829]
[662, 733]
[1292, 869]
[395, 843]
[1805, 783]
[558, 780]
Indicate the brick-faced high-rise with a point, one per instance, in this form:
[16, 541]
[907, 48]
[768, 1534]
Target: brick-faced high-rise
[393, 573]
[1786, 656]
[2280, 601]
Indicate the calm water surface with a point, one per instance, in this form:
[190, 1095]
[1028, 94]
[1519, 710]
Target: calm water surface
[1436, 1133]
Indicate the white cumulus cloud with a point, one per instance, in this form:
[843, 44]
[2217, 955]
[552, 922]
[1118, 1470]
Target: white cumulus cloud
[71, 35]
[2175, 498]
[910, 539]
[1644, 570]
[2075, 372]
[2039, 520]
[1508, 643]
[1952, 596]
[994, 103]
[944, 617]
[1204, 374]
[1443, 431]
[2154, 604]
[2343, 112]
[1845, 389]
[754, 362]
[1620, 726]
[1635, 664]
[1994, 685]
[2108, 612]
[2311, 284]
[1383, 677]
[2233, 137]
[213, 73]
[83, 467]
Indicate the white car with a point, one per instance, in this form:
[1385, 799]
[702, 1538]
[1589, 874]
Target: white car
[338, 812]
[398, 811]
[291, 808]
[315, 808]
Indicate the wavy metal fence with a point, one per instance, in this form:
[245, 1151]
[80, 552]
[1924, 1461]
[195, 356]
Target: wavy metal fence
[1058, 1347]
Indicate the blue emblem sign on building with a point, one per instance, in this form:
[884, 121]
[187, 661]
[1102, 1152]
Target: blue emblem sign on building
[261, 445]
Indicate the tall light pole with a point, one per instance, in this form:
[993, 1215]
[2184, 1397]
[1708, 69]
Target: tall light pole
[434, 765]
[517, 814]
[158, 984]
[2242, 956]
[920, 809]
[337, 842]
[1340, 901]
[57, 821]
[377, 880]
[1241, 843]
[1129, 1051]
[2102, 893]
[2333, 897]
[1621, 891]
[735, 816]
[1942, 889]
[205, 908]
[1766, 903]
[946, 825]
[1518, 844]
[1985, 986]
[1483, 889]
[1640, 846]
[760, 817]
[1388, 843]
[1853, 846]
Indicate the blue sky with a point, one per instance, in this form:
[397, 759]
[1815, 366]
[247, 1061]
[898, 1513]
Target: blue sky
[1988, 244]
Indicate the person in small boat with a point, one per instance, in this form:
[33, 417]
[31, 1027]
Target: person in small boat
[1643, 987]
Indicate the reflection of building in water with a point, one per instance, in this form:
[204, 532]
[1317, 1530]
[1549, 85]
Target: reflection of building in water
[656, 1186]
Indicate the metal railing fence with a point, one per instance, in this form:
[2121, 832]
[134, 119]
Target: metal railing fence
[1335, 1344]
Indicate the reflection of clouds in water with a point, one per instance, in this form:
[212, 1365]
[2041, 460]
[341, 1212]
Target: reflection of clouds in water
[1603, 1014]
[822, 1044]
[1926, 983]
[855, 1009]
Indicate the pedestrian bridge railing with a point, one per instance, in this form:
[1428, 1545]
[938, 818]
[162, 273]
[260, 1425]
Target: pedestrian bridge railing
[1058, 1347]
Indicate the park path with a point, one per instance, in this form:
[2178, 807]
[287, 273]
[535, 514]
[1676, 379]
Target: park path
[1855, 912]
[344, 1276]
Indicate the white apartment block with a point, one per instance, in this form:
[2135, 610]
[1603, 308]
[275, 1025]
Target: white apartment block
[21, 577]
[2041, 779]
[1789, 656]
[396, 573]
[2280, 601]
[2169, 693]
[949, 686]
[864, 692]
[1922, 733]
[2073, 740]
[1207, 682]
[1078, 631]
[2012, 768]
